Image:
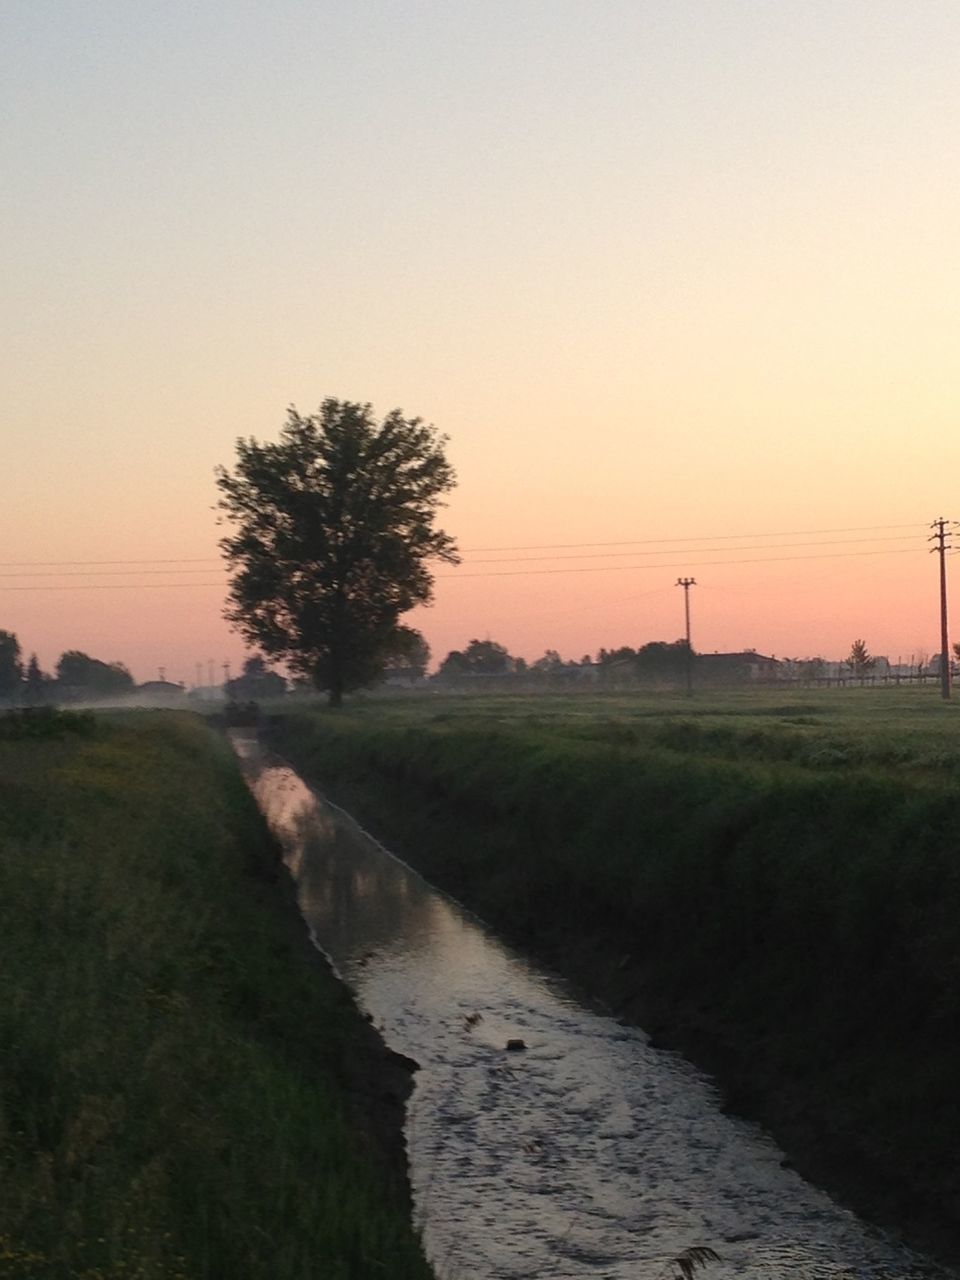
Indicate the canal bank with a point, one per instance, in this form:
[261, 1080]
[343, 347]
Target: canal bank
[186, 1090]
[790, 931]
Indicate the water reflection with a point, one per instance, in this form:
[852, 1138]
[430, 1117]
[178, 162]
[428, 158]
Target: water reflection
[589, 1154]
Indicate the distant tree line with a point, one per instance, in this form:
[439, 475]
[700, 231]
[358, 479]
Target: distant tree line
[657, 661]
[77, 676]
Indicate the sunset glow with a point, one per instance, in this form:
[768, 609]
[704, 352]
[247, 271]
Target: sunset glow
[679, 280]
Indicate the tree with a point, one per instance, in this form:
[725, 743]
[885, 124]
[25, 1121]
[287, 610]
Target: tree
[624, 655]
[487, 658]
[812, 668]
[333, 533]
[79, 675]
[480, 658]
[859, 660]
[11, 668]
[256, 682]
[454, 665]
[35, 683]
[661, 659]
[409, 655]
[617, 665]
[549, 665]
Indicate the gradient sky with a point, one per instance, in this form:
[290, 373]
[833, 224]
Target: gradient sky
[669, 274]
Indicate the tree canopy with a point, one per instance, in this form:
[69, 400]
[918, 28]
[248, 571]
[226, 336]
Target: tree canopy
[79, 675]
[11, 668]
[333, 532]
[35, 683]
[549, 665]
[409, 655]
[859, 660]
[661, 659]
[480, 658]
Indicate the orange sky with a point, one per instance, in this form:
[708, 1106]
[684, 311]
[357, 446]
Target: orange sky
[678, 272]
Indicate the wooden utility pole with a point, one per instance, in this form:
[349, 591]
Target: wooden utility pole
[687, 583]
[939, 537]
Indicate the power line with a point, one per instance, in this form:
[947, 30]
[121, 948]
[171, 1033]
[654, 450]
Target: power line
[504, 573]
[546, 546]
[112, 586]
[607, 555]
[50, 564]
[100, 573]
[601, 555]
[673, 550]
[718, 537]
[683, 564]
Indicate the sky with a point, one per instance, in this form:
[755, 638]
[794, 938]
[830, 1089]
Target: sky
[680, 281]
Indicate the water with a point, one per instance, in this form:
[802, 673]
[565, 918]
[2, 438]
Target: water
[588, 1153]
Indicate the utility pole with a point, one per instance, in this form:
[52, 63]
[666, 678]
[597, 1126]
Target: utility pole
[687, 583]
[940, 536]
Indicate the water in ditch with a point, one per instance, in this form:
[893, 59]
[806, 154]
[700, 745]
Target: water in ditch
[587, 1153]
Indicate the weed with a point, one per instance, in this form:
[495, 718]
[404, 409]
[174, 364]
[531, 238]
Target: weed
[175, 1085]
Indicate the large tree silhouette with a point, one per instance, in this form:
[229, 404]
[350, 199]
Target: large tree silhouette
[333, 535]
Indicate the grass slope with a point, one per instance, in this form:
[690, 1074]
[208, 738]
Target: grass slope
[774, 884]
[175, 1077]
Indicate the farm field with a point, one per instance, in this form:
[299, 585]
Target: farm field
[183, 1082]
[886, 726]
[768, 880]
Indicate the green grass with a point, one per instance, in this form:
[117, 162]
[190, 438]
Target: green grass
[773, 879]
[176, 1075]
[881, 726]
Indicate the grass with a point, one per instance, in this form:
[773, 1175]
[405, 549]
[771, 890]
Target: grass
[177, 1080]
[771, 880]
[880, 726]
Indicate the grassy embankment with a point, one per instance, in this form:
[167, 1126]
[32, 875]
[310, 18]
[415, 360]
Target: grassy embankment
[771, 882]
[180, 1081]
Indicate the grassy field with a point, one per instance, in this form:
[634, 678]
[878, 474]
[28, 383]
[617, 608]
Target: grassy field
[882, 726]
[180, 1081]
[770, 880]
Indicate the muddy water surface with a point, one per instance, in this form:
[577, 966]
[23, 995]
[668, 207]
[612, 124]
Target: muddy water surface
[586, 1154]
